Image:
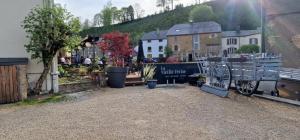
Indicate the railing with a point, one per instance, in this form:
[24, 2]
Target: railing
[290, 74]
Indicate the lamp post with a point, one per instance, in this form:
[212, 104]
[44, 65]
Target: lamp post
[263, 27]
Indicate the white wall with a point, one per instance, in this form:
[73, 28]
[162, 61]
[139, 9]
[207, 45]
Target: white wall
[241, 41]
[13, 37]
[155, 47]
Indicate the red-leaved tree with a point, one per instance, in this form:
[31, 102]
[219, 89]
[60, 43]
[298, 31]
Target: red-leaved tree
[116, 45]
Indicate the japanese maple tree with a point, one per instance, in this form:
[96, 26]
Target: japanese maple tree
[116, 45]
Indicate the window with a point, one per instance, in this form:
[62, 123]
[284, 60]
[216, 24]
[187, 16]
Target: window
[231, 50]
[253, 41]
[231, 41]
[175, 38]
[196, 41]
[161, 55]
[149, 41]
[214, 35]
[161, 49]
[160, 40]
[176, 48]
[149, 49]
[149, 55]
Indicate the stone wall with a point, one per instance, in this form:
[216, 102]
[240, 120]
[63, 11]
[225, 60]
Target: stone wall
[209, 44]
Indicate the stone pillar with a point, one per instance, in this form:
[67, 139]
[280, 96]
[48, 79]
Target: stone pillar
[23, 82]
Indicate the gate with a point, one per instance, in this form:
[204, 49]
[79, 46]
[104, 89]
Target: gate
[9, 84]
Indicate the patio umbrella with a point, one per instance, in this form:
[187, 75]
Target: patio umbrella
[140, 56]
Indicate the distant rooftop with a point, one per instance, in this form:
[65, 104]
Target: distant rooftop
[241, 33]
[155, 35]
[195, 28]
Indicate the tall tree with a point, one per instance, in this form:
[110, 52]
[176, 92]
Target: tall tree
[49, 30]
[139, 12]
[130, 11]
[107, 14]
[162, 4]
[86, 24]
[202, 13]
[98, 20]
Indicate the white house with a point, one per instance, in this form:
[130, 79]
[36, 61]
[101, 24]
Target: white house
[154, 44]
[233, 40]
[13, 38]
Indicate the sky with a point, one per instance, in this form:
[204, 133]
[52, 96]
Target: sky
[86, 9]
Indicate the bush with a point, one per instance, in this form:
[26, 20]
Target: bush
[248, 49]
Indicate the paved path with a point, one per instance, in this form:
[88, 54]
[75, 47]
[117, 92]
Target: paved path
[138, 113]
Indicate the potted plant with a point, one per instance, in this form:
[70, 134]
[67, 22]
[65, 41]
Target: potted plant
[116, 46]
[149, 72]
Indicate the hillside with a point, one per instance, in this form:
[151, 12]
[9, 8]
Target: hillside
[238, 15]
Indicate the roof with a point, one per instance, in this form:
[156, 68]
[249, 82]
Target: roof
[240, 34]
[155, 35]
[195, 28]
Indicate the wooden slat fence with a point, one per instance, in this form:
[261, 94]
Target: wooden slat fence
[9, 84]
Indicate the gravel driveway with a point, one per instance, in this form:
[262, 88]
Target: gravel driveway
[163, 113]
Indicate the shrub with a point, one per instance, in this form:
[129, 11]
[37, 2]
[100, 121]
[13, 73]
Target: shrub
[248, 49]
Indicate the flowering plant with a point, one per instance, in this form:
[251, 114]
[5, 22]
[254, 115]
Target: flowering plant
[116, 46]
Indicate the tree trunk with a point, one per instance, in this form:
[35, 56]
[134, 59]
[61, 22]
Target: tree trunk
[39, 84]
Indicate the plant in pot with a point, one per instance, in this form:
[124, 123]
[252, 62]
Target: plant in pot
[116, 46]
[149, 72]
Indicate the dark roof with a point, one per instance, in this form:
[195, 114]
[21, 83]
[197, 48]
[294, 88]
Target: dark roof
[240, 34]
[13, 61]
[155, 35]
[195, 28]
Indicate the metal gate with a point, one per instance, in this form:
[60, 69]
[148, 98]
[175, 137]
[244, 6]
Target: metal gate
[9, 84]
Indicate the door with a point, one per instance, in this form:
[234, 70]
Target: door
[9, 90]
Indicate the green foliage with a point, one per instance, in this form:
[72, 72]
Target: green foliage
[168, 52]
[248, 49]
[107, 14]
[49, 30]
[202, 13]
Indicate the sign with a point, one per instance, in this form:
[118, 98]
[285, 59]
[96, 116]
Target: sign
[179, 72]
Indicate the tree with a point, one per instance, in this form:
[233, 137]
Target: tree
[98, 20]
[116, 44]
[49, 30]
[139, 12]
[107, 14]
[130, 11]
[248, 49]
[86, 24]
[162, 3]
[202, 13]
[168, 52]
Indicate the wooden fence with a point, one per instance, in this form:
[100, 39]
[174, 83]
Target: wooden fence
[9, 84]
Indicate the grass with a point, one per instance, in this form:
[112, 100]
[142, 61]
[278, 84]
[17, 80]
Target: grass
[43, 100]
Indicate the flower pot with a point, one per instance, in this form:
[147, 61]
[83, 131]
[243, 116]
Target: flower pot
[116, 76]
[151, 84]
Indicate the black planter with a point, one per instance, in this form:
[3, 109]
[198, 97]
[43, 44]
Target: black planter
[151, 84]
[116, 76]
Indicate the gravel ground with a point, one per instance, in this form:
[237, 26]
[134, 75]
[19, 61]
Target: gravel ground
[163, 113]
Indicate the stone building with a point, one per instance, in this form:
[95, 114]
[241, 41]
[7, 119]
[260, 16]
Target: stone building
[195, 40]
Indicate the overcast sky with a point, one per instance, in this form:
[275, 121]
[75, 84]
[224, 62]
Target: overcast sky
[86, 9]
